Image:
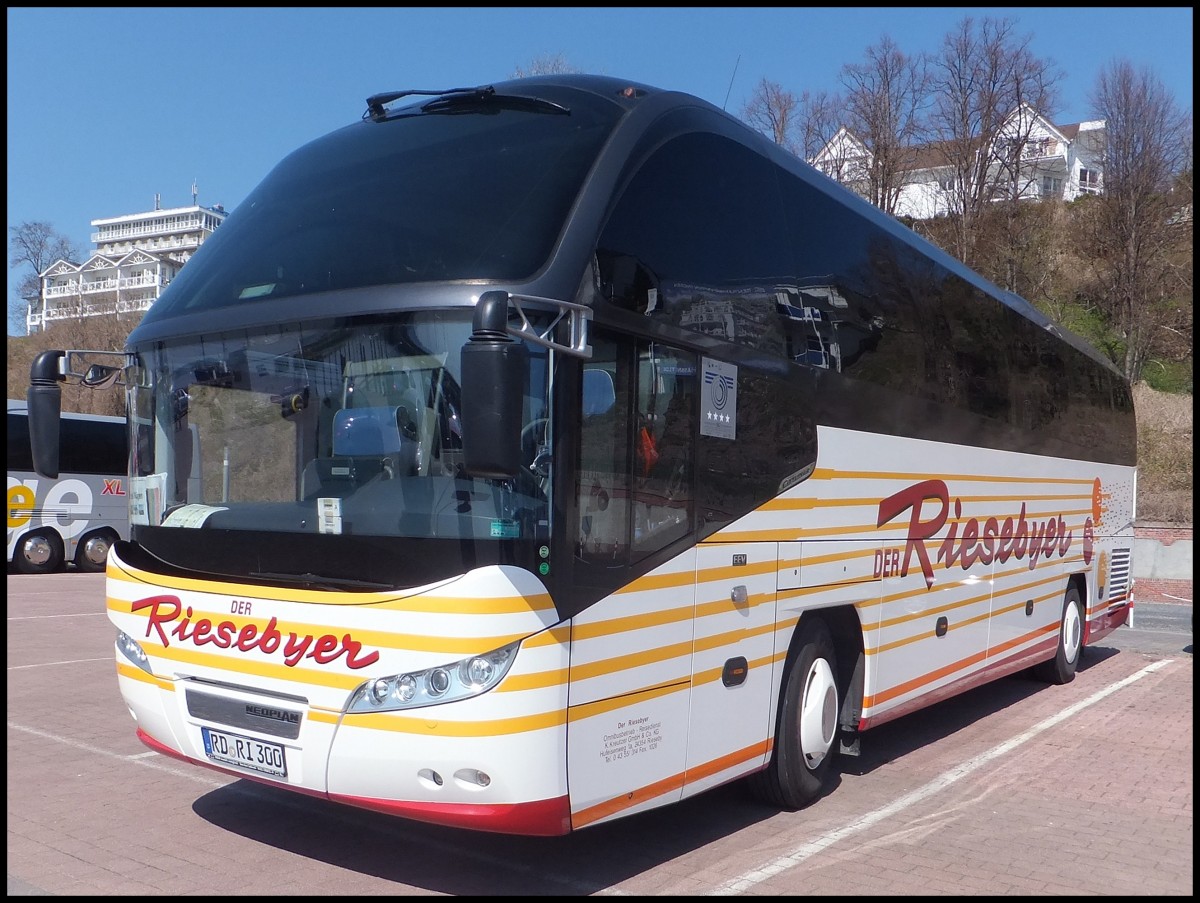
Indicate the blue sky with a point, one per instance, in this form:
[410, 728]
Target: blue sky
[109, 106]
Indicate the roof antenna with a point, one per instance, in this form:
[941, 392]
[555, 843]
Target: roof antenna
[731, 78]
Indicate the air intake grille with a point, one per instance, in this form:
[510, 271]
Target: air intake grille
[1118, 575]
[266, 718]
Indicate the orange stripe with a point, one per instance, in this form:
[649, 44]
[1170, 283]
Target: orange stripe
[669, 784]
[925, 679]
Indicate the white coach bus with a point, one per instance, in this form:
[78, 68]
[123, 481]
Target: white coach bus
[77, 516]
[565, 449]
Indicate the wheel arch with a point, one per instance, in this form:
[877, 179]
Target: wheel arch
[846, 629]
[1079, 581]
[80, 544]
[56, 539]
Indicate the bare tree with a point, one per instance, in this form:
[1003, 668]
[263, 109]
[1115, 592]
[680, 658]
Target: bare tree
[884, 103]
[819, 117]
[981, 80]
[1139, 236]
[547, 64]
[804, 125]
[35, 245]
[771, 110]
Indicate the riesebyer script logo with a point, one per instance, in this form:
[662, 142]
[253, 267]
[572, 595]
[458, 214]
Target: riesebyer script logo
[1015, 537]
[166, 622]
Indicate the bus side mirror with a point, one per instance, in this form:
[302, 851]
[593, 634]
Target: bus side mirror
[44, 398]
[99, 376]
[494, 373]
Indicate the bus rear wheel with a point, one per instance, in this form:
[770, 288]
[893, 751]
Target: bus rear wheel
[806, 732]
[1061, 668]
[40, 552]
[91, 555]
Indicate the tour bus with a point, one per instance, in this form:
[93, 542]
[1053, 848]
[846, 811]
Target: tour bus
[565, 449]
[78, 515]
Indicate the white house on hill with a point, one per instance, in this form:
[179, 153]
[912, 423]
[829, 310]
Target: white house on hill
[1034, 159]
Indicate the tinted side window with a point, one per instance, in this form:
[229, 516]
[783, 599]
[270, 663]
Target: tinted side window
[698, 238]
[856, 306]
[92, 446]
[20, 456]
[637, 451]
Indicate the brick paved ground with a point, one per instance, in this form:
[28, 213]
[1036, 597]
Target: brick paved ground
[1015, 789]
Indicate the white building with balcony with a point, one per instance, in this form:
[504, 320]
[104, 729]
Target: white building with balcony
[136, 257]
[1034, 159]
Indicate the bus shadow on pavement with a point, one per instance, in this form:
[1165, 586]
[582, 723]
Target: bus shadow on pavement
[458, 861]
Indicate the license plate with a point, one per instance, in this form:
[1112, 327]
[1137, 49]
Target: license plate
[245, 752]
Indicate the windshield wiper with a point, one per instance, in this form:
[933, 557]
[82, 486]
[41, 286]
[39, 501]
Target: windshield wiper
[376, 102]
[464, 100]
[461, 103]
[317, 581]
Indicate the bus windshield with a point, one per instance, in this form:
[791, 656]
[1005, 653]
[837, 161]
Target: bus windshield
[344, 431]
[428, 197]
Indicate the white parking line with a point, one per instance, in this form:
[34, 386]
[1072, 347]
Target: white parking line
[192, 774]
[805, 851]
[151, 759]
[77, 661]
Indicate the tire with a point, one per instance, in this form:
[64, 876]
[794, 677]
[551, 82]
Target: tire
[806, 732]
[39, 552]
[1061, 668]
[91, 555]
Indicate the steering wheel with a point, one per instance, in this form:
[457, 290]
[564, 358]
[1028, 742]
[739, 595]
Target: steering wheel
[534, 433]
[529, 431]
[675, 481]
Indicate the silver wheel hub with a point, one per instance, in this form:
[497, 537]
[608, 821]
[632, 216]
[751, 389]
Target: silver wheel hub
[95, 549]
[36, 550]
[818, 713]
[1072, 632]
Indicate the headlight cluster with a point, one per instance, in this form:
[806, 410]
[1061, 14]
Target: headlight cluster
[445, 683]
[132, 650]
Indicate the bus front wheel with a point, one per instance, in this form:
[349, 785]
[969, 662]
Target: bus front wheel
[806, 732]
[40, 552]
[92, 553]
[1061, 668]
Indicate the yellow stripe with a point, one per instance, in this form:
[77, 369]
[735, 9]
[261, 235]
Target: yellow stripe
[924, 680]
[831, 473]
[432, 727]
[634, 697]
[731, 637]
[863, 532]
[607, 667]
[420, 602]
[631, 623]
[134, 673]
[457, 647]
[670, 784]
[538, 680]
[303, 676]
[712, 675]
[813, 504]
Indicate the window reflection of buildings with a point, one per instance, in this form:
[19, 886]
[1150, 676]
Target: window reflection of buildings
[815, 317]
[822, 324]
